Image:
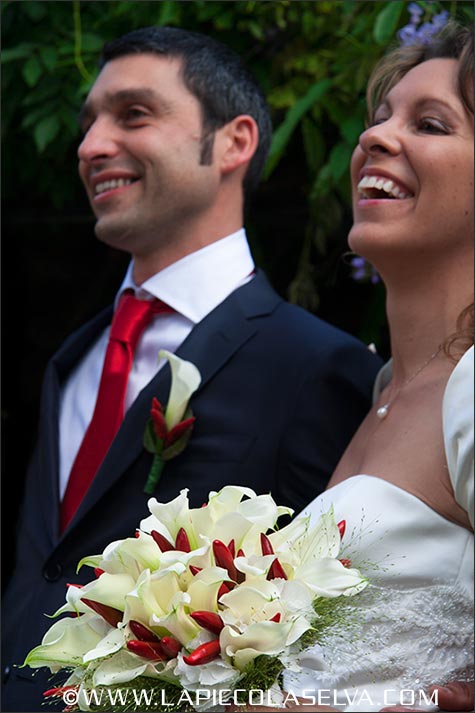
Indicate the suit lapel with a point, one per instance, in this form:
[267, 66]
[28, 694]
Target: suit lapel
[76, 345]
[46, 523]
[210, 345]
[59, 366]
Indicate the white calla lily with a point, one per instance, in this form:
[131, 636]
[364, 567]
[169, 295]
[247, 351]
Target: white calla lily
[230, 526]
[90, 561]
[109, 589]
[185, 381]
[237, 513]
[178, 622]
[262, 511]
[259, 510]
[152, 595]
[296, 597]
[228, 498]
[177, 558]
[243, 602]
[67, 641]
[132, 555]
[329, 578]
[323, 540]
[265, 637]
[255, 565]
[284, 539]
[120, 668]
[167, 518]
[110, 644]
[73, 602]
[203, 589]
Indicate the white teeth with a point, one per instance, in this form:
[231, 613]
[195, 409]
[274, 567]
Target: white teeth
[380, 184]
[109, 185]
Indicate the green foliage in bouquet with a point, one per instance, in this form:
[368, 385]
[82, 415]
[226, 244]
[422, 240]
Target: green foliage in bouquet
[260, 674]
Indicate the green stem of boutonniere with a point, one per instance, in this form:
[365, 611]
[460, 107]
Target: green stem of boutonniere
[154, 475]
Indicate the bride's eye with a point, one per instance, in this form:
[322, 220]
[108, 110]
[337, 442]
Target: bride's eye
[372, 122]
[430, 125]
[381, 113]
[377, 118]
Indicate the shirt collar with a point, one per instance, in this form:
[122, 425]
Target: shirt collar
[200, 281]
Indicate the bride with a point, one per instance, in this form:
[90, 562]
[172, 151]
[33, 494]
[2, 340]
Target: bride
[405, 483]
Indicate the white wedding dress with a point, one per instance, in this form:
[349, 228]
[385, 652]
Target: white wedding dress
[414, 623]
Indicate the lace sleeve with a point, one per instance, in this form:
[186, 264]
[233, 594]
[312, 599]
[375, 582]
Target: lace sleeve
[458, 424]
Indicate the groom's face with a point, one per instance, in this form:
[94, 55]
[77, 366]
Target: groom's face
[140, 158]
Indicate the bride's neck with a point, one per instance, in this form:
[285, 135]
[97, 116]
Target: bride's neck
[420, 320]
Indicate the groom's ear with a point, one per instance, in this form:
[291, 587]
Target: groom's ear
[235, 144]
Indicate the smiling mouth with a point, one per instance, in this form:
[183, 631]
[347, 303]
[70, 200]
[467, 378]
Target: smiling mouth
[377, 187]
[105, 186]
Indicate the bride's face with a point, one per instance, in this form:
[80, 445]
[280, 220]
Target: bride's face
[412, 171]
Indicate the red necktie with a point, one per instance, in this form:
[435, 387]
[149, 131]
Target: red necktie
[130, 320]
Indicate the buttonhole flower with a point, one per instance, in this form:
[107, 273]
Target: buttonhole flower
[169, 429]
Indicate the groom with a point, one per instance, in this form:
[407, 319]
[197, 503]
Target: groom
[176, 134]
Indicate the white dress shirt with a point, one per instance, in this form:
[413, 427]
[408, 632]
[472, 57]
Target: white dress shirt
[193, 286]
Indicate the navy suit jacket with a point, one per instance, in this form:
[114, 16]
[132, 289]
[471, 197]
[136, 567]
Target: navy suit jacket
[281, 395]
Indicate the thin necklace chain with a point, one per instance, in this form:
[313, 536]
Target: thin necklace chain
[383, 411]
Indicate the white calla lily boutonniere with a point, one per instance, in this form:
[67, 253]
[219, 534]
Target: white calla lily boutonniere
[169, 429]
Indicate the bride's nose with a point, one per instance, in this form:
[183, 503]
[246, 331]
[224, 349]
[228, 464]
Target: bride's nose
[383, 137]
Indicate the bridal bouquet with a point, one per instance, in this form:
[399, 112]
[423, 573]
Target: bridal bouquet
[201, 607]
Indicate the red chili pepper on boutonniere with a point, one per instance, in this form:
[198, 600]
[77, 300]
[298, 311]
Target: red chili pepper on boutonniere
[168, 430]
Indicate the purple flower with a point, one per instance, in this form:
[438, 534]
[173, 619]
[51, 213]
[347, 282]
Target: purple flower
[417, 33]
[440, 19]
[425, 32]
[407, 35]
[415, 10]
[363, 271]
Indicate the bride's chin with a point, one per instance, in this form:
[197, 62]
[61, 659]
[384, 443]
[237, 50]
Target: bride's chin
[372, 242]
[362, 242]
